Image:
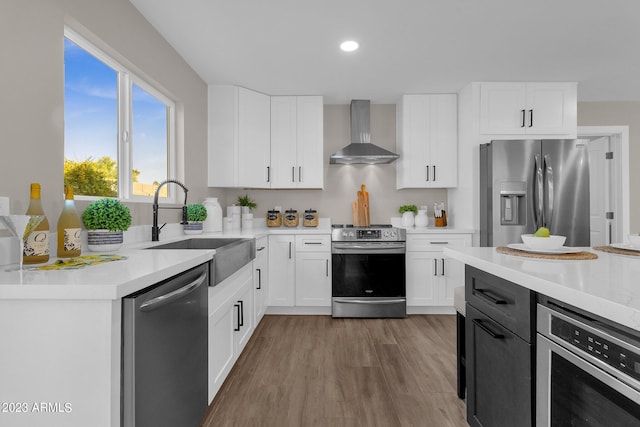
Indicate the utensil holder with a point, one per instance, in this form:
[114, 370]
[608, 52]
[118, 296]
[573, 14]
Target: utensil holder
[440, 221]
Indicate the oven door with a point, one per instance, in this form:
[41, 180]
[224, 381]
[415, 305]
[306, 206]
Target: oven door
[368, 269]
[571, 391]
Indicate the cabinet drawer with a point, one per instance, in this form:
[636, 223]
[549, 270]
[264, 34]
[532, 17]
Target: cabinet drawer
[505, 302]
[436, 242]
[313, 243]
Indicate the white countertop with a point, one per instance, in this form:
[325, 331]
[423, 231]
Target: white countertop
[142, 268]
[608, 286]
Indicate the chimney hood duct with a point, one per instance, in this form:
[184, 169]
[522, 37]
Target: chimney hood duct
[361, 150]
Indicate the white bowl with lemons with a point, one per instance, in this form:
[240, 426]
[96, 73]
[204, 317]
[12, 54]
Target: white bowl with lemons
[542, 240]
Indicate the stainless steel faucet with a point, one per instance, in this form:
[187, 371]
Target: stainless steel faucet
[155, 230]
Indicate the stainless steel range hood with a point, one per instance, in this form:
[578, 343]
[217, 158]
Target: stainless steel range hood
[361, 150]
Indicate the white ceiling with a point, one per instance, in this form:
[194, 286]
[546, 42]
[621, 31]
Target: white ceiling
[283, 47]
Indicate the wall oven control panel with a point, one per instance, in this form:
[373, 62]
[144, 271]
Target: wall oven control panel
[599, 344]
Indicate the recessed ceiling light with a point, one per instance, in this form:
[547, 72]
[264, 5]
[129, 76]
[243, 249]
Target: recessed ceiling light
[349, 46]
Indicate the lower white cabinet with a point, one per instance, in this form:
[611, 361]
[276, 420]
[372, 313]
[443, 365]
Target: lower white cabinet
[231, 323]
[299, 270]
[431, 276]
[313, 271]
[261, 279]
[282, 276]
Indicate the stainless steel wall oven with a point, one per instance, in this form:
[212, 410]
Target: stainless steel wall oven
[368, 271]
[588, 371]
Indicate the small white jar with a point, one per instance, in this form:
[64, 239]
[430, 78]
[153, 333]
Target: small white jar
[421, 219]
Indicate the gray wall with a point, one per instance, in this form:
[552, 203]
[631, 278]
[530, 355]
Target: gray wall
[620, 114]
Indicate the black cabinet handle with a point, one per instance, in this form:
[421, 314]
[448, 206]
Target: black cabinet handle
[299, 173]
[237, 317]
[259, 270]
[435, 266]
[483, 294]
[241, 320]
[523, 124]
[434, 172]
[484, 327]
[530, 118]
[268, 173]
[327, 268]
[289, 250]
[442, 266]
[427, 172]
[293, 174]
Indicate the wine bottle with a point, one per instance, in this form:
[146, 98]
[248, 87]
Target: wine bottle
[69, 227]
[36, 244]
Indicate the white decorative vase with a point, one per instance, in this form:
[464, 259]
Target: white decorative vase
[407, 219]
[421, 219]
[193, 228]
[104, 240]
[213, 223]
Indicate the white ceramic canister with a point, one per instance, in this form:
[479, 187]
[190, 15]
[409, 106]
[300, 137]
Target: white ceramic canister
[213, 223]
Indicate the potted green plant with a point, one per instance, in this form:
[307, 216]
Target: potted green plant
[246, 203]
[105, 221]
[408, 213]
[196, 214]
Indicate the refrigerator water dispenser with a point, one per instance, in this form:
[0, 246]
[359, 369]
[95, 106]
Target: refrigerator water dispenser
[513, 203]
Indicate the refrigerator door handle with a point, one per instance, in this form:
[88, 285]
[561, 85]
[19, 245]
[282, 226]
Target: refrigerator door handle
[538, 196]
[548, 176]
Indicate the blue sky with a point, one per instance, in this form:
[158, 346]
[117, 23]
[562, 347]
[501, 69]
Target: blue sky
[91, 116]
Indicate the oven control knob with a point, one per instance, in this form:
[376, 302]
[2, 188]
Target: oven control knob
[392, 233]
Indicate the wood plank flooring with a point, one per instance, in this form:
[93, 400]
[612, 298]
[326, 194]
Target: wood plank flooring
[318, 371]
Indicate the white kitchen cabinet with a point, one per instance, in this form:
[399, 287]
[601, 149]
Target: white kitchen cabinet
[528, 108]
[296, 142]
[427, 141]
[431, 276]
[282, 270]
[238, 138]
[260, 279]
[231, 323]
[313, 270]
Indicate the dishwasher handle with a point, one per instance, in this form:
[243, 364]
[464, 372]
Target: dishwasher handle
[167, 298]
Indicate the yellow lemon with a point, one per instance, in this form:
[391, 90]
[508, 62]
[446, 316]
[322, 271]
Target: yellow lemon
[542, 232]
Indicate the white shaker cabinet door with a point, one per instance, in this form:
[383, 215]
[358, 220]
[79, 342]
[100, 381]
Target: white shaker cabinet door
[313, 279]
[282, 270]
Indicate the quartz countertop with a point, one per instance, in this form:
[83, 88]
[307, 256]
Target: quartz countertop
[608, 286]
[142, 268]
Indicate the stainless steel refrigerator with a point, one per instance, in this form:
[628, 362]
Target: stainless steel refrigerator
[527, 184]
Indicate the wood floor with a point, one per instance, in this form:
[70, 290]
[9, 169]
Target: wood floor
[318, 371]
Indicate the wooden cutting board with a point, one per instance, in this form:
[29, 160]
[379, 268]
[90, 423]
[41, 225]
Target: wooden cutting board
[360, 208]
[619, 251]
[583, 255]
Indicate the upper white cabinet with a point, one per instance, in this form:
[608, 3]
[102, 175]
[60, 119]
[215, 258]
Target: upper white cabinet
[427, 141]
[528, 108]
[296, 142]
[239, 137]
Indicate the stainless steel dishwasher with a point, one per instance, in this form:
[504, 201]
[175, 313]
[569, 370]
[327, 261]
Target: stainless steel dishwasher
[164, 352]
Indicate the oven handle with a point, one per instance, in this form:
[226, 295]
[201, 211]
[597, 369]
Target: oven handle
[387, 248]
[626, 385]
[363, 301]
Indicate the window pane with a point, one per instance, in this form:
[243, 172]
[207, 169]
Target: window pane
[149, 141]
[90, 123]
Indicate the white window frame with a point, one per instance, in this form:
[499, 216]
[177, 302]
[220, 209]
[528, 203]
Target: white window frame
[126, 80]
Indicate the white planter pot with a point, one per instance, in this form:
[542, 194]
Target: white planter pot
[104, 240]
[193, 228]
[407, 219]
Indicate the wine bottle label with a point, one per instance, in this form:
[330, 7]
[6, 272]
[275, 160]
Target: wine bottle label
[72, 240]
[37, 243]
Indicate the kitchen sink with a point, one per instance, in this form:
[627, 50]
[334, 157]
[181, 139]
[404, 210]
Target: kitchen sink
[231, 253]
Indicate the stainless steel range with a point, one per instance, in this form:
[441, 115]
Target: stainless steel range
[368, 271]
